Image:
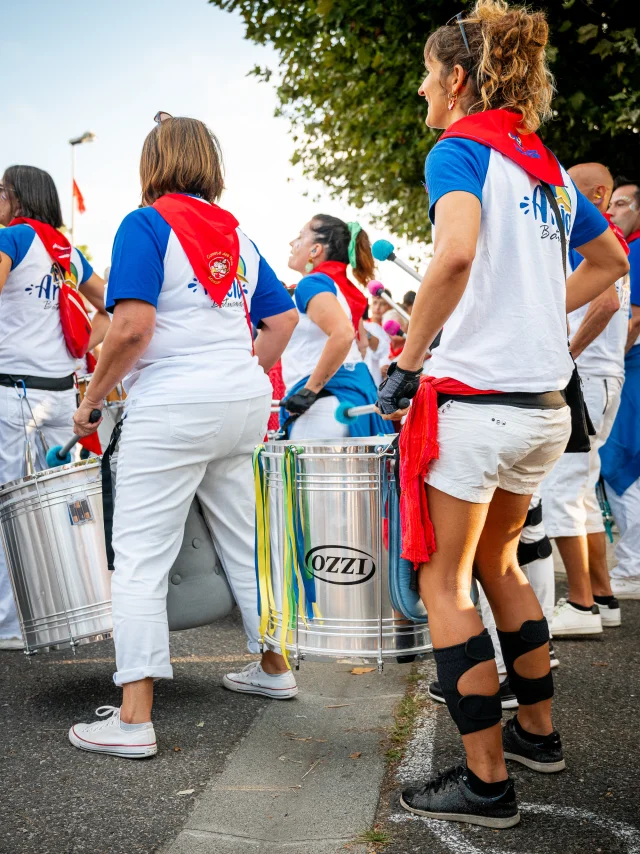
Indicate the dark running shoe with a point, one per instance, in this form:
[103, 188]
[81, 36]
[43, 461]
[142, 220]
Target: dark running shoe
[449, 798]
[507, 697]
[539, 756]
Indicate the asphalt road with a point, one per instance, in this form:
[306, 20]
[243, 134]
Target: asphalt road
[55, 799]
[591, 808]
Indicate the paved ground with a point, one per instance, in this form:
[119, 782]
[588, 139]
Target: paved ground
[592, 807]
[58, 800]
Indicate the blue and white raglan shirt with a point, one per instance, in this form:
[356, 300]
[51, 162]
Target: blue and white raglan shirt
[31, 339]
[303, 352]
[509, 330]
[200, 352]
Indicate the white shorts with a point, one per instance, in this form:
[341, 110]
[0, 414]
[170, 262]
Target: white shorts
[319, 422]
[485, 446]
[571, 508]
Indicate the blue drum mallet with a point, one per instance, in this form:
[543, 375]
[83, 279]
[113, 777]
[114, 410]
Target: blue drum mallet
[346, 414]
[384, 250]
[60, 455]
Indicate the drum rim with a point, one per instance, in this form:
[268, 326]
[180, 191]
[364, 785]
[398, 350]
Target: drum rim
[386, 440]
[48, 474]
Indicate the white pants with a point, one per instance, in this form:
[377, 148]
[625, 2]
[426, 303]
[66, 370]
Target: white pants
[53, 412]
[541, 578]
[167, 455]
[626, 511]
[319, 422]
[571, 508]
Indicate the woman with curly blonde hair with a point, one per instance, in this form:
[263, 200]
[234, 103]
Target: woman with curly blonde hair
[492, 418]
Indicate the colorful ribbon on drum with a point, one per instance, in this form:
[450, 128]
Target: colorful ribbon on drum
[298, 582]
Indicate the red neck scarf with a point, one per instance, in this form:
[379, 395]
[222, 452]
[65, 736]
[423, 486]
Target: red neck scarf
[619, 233]
[633, 236]
[356, 300]
[498, 129]
[208, 235]
[56, 244]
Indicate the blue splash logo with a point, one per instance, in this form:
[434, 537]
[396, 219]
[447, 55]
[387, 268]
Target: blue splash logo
[539, 207]
[49, 287]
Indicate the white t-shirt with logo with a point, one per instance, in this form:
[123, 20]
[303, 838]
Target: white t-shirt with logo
[199, 352]
[308, 341]
[509, 330]
[604, 357]
[31, 339]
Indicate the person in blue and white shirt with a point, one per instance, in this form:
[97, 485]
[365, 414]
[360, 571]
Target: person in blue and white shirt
[36, 368]
[198, 403]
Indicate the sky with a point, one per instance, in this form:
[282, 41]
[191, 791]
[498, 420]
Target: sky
[108, 67]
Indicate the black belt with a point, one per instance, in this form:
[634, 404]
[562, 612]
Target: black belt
[521, 399]
[528, 552]
[40, 383]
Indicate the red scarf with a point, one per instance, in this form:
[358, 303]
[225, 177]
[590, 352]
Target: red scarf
[208, 235]
[56, 244]
[619, 233]
[418, 447]
[356, 300]
[633, 236]
[498, 129]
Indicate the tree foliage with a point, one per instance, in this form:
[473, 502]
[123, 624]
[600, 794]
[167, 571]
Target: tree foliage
[350, 70]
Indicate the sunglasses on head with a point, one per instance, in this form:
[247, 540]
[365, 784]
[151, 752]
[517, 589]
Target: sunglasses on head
[458, 20]
[161, 117]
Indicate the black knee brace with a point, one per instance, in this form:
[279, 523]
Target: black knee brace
[531, 635]
[471, 712]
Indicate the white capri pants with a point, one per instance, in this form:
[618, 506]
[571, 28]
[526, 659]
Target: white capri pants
[541, 578]
[319, 421]
[626, 512]
[571, 508]
[167, 455]
[53, 412]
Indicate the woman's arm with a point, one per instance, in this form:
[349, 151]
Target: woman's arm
[5, 269]
[327, 313]
[93, 291]
[458, 219]
[273, 337]
[129, 335]
[604, 263]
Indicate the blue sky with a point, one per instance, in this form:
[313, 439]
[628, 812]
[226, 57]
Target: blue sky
[108, 67]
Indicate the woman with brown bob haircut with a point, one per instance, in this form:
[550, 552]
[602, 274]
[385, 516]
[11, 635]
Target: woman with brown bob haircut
[186, 285]
[491, 419]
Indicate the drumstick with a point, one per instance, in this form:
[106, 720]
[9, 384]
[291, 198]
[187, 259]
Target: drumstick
[383, 250]
[346, 414]
[376, 289]
[59, 455]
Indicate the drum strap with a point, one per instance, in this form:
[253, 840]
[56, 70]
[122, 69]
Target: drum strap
[107, 493]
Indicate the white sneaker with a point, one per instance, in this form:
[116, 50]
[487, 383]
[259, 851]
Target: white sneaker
[626, 588]
[11, 643]
[610, 614]
[569, 621]
[107, 736]
[553, 658]
[252, 679]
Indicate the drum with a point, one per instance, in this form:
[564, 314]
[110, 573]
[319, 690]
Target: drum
[330, 505]
[116, 396]
[113, 410]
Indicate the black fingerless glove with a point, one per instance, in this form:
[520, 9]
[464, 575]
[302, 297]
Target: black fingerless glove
[399, 387]
[299, 402]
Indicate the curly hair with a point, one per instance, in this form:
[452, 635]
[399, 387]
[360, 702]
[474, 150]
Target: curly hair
[505, 64]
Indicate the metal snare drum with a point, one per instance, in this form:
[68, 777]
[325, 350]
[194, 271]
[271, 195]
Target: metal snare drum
[53, 536]
[340, 490]
[116, 395]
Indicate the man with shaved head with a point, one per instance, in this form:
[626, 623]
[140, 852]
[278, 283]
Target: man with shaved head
[621, 454]
[598, 333]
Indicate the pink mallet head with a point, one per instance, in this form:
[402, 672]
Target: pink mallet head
[375, 287]
[392, 327]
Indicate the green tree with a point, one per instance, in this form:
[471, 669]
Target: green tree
[349, 73]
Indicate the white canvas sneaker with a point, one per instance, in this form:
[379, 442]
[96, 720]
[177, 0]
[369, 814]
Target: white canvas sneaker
[107, 736]
[610, 614]
[626, 588]
[569, 621]
[253, 680]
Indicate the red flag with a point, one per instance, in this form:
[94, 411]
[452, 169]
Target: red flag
[92, 443]
[79, 198]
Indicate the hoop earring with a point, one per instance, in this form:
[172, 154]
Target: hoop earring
[453, 97]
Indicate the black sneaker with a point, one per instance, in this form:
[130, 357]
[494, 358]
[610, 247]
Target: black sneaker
[449, 798]
[544, 757]
[507, 697]
[553, 658]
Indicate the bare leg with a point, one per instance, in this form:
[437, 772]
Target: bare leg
[273, 662]
[598, 569]
[137, 700]
[445, 587]
[510, 595]
[575, 556]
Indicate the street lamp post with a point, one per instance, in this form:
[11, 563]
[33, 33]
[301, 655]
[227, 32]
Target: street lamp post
[87, 136]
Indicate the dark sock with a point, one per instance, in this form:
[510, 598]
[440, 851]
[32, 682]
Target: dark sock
[603, 600]
[485, 790]
[533, 737]
[581, 607]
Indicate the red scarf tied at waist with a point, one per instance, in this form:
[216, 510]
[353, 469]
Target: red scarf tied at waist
[418, 447]
[356, 300]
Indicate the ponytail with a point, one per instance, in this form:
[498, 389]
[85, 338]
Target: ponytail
[345, 242]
